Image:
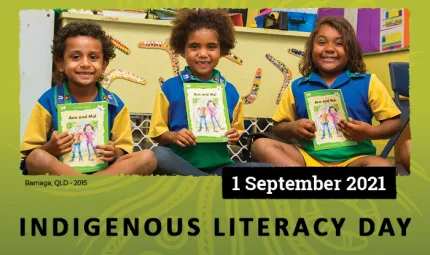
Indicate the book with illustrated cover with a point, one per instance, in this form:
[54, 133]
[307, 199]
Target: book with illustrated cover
[88, 123]
[326, 107]
[207, 111]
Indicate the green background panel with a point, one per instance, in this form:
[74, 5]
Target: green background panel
[188, 197]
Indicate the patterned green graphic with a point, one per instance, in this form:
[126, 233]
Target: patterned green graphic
[174, 197]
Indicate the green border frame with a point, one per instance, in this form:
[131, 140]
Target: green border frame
[186, 197]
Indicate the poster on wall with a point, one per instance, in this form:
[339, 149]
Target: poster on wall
[368, 29]
[391, 18]
[392, 29]
[391, 39]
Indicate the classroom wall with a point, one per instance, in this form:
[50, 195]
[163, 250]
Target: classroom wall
[378, 64]
[252, 46]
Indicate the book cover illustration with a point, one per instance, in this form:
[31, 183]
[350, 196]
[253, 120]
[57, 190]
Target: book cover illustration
[88, 123]
[326, 107]
[207, 111]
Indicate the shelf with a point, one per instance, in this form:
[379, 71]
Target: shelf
[66, 15]
[167, 23]
[386, 52]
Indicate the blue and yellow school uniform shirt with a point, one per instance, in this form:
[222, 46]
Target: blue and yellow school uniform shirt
[365, 96]
[44, 120]
[169, 114]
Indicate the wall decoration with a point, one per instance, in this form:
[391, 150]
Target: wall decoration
[119, 45]
[163, 45]
[250, 98]
[368, 29]
[234, 58]
[391, 39]
[286, 72]
[121, 74]
[392, 29]
[391, 17]
[296, 52]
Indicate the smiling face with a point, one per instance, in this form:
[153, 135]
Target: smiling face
[82, 61]
[202, 52]
[329, 55]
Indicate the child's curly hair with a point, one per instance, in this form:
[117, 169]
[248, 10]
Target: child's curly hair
[352, 46]
[83, 28]
[189, 20]
[77, 28]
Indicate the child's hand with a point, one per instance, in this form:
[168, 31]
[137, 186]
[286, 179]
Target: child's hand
[106, 152]
[59, 144]
[184, 138]
[304, 129]
[355, 130]
[233, 136]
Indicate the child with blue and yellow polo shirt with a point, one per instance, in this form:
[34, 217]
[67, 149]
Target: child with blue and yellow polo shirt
[333, 60]
[81, 52]
[201, 37]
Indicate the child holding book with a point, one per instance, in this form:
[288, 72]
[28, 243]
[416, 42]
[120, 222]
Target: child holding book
[333, 60]
[202, 37]
[81, 52]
